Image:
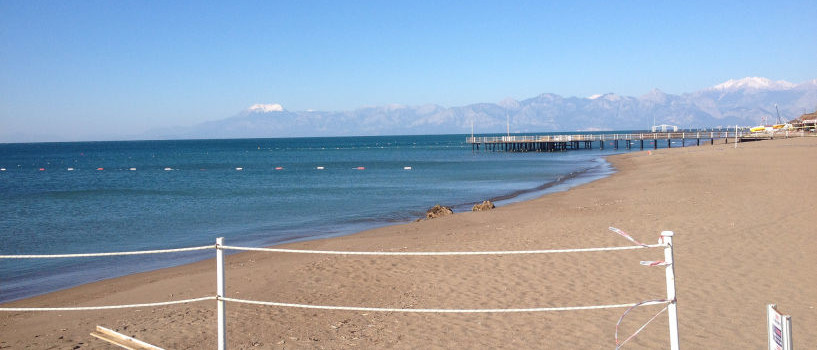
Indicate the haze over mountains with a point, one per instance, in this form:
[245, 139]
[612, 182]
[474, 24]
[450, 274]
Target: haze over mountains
[735, 102]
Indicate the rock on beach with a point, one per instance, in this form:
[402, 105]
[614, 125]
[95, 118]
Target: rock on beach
[485, 205]
[438, 211]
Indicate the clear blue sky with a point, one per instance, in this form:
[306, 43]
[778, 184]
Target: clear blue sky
[81, 69]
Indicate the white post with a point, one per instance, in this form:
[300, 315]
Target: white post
[666, 238]
[222, 340]
[787, 331]
[736, 136]
[779, 329]
[770, 311]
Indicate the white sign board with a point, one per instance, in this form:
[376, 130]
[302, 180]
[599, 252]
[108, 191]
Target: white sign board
[779, 328]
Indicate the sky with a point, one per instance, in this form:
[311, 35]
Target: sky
[87, 70]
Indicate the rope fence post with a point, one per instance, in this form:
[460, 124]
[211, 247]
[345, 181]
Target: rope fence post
[221, 313]
[672, 311]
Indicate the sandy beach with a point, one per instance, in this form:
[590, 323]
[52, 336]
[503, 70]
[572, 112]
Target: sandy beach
[744, 223]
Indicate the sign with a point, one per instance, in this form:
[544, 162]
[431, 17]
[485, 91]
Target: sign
[779, 329]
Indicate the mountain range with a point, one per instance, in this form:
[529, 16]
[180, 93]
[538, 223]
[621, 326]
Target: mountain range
[735, 102]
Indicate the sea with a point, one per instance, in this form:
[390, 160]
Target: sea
[89, 197]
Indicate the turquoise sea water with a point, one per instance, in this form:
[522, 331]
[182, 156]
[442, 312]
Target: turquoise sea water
[137, 195]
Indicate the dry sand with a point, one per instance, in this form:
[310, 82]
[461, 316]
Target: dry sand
[744, 223]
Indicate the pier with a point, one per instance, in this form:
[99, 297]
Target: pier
[564, 142]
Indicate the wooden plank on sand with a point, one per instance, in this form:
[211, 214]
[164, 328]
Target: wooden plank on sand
[122, 340]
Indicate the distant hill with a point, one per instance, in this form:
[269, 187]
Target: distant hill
[809, 116]
[735, 102]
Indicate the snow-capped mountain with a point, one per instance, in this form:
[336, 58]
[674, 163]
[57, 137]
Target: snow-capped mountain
[753, 83]
[258, 107]
[735, 102]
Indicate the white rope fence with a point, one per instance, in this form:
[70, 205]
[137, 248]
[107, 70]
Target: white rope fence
[444, 311]
[665, 241]
[498, 252]
[109, 307]
[619, 344]
[90, 255]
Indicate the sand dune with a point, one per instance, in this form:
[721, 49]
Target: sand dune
[744, 223]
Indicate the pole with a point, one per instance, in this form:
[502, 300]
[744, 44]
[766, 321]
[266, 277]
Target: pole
[672, 311]
[222, 340]
[787, 331]
[736, 136]
[770, 311]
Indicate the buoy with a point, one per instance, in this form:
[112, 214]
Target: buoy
[279, 168]
[406, 168]
[239, 169]
[42, 169]
[320, 168]
[100, 169]
[361, 168]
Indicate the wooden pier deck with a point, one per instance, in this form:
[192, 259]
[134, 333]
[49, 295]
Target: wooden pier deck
[564, 142]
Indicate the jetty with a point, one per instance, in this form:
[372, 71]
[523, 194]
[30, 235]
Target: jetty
[564, 142]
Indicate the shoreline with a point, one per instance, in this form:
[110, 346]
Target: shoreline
[562, 183]
[706, 194]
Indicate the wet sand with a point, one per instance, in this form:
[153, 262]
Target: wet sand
[744, 222]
